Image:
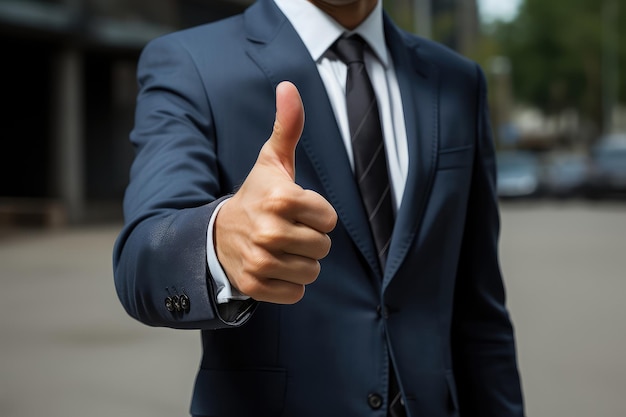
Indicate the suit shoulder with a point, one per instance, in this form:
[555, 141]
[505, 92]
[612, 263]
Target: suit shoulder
[449, 62]
[205, 35]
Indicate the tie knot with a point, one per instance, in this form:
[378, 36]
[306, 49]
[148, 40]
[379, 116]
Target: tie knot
[349, 49]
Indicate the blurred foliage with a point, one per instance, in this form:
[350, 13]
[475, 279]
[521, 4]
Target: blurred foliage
[564, 54]
[557, 48]
[402, 13]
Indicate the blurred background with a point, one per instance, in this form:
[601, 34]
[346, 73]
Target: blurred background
[557, 89]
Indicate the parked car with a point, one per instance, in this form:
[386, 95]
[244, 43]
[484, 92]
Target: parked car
[607, 175]
[518, 174]
[565, 175]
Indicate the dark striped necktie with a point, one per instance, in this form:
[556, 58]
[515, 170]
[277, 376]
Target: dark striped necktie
[370, 161]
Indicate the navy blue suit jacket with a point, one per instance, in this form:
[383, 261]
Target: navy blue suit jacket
[205, 108]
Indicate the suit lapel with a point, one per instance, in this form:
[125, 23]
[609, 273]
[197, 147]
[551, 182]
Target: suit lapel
[277, 49]
[418, 81]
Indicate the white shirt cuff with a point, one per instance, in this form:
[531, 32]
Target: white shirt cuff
[224, 291]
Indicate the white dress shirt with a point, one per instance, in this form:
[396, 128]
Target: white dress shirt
[318, 32]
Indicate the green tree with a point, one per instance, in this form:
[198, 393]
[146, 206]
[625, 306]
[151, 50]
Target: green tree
[556, 48]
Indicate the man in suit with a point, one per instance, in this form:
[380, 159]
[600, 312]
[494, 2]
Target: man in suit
[230, 232]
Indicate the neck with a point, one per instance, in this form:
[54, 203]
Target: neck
[347, 13]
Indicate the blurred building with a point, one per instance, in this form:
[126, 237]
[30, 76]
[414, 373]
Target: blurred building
[69, 88]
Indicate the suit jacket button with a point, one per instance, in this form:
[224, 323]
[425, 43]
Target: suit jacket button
[169, 304]
[185, 303]
[176, 302]
[375, 401]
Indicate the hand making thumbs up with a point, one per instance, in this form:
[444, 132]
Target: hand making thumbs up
[272, 233]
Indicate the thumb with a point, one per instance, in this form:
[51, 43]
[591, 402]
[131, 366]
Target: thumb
[288, 126]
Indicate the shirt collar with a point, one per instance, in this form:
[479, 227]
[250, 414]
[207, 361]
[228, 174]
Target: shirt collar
[319, 31]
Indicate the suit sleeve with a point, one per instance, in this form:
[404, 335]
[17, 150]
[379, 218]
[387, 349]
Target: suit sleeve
[482, 334]
[159, 259]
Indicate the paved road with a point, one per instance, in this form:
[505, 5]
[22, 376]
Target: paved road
[566, 276]
[68, 350]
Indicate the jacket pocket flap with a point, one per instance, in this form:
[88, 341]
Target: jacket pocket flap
[455, 157]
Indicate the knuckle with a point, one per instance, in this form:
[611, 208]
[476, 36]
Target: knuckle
[327, 216]
[329, 220]
[307, 273]
[295, 294]
[320, 247]
[280, 200]
[250, 287]
[325, 247]
[258, 262]
[317, 268]
[269, 233]
[312, 273]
